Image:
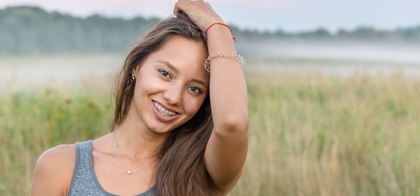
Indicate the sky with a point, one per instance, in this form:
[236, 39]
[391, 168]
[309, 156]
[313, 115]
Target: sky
[287, 15]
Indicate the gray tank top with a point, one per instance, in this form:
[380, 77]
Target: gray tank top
[84, 181]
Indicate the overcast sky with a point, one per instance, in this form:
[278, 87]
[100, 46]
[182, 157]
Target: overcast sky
[289, 15]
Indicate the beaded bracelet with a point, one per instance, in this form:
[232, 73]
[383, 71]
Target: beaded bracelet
[224, 55]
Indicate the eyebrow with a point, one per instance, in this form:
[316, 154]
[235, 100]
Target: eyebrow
[200, 82]
[177, 71]
[169, 65]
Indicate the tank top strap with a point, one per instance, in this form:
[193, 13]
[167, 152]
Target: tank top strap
[82, 182]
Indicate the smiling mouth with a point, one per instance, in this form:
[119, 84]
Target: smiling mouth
[163, 111]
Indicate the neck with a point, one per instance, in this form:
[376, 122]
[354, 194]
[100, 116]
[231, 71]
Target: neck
[137, 142]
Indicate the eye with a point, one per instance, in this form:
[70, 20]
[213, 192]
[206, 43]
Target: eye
[195, 90]
[164, 73]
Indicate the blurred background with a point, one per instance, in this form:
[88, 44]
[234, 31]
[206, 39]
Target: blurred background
[333, 87]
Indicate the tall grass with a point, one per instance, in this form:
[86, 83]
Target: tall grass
[320, 135]
[33, 121]
[310, 134]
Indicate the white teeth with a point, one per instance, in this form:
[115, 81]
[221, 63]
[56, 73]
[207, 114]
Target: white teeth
[163, 111]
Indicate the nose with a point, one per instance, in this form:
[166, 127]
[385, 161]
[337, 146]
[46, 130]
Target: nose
[173, 94]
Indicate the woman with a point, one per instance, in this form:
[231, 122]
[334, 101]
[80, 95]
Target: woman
[177, 130]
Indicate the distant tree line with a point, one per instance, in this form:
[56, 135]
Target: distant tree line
[32, 30]
[366, 34]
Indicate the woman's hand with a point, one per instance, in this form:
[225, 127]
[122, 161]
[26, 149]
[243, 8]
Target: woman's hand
[200, 12]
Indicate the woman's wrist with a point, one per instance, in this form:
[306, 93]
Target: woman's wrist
[217, 29]
[223, 25]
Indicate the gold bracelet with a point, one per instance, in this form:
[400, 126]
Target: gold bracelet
[224, 55]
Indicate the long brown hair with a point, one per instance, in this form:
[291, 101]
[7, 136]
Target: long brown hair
[182, 170]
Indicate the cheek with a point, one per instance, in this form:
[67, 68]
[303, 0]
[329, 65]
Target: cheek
[147, 85]
[139, 91]
[141, 94]
[192, 105]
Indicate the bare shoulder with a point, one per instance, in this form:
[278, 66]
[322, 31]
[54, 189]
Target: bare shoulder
[54, 171]
[59, 157]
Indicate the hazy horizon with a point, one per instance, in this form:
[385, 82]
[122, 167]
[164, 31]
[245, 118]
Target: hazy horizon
[290, 16]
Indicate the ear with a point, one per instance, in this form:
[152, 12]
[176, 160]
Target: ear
[135, 70]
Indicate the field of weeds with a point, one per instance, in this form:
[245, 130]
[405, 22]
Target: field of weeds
[310, 134]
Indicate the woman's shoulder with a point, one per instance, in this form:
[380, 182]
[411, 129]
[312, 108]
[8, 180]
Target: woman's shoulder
[58, 160]
[54, 170]
[61, 155]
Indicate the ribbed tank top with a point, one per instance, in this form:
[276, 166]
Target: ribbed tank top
[84, 181]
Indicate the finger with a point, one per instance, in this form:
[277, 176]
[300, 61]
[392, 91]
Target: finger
[208, 5]
[176, 10]
[176, 7]
[181, 5]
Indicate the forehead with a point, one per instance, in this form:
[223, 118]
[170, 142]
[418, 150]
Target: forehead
[178, 46]
[186, 55]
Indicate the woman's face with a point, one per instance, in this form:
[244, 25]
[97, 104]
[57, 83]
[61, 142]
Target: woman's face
[171, 85]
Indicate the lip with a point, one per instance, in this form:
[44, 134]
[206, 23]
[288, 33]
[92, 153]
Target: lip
[164, 106]
[160, 116]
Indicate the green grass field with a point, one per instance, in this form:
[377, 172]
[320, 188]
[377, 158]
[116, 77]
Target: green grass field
[310, 134]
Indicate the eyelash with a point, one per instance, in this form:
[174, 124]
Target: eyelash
[165, 74]
[196, 88]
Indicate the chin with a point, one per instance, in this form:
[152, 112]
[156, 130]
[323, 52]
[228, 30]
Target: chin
[163, 129]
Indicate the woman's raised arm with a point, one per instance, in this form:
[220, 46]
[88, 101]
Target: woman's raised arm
[227, 148]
